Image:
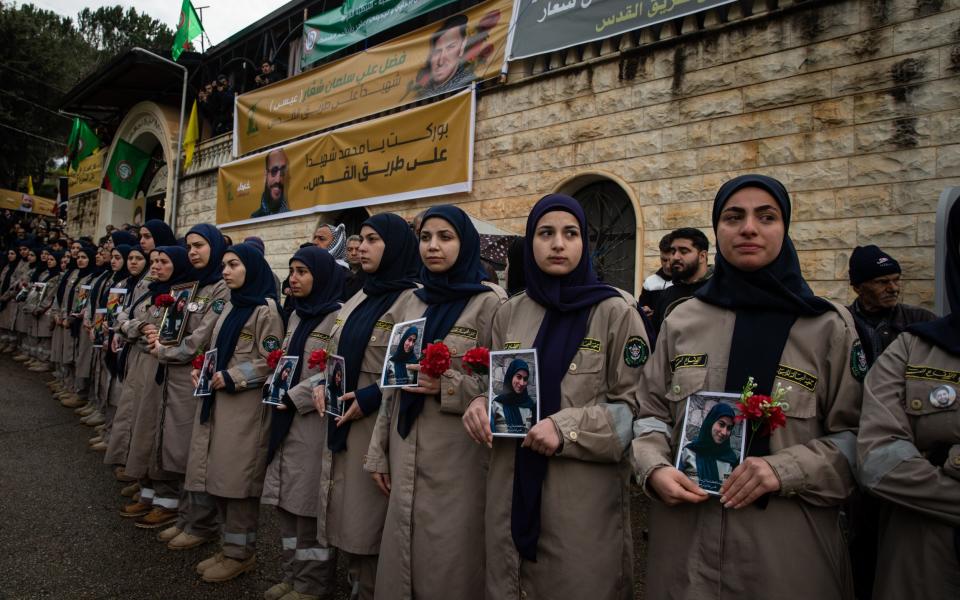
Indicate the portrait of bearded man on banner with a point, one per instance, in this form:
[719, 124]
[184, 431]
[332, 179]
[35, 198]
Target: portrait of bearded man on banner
[274, 198]
[454, 56]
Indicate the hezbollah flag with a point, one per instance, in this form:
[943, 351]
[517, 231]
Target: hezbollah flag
[191, 137]
[81, 143]
[188, 28]
[127, 166]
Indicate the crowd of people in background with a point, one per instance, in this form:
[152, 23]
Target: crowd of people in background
[215, 104]
[411, 486]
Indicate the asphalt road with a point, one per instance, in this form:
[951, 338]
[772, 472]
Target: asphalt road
[60, 532]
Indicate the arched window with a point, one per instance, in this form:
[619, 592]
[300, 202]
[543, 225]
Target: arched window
[613, 229]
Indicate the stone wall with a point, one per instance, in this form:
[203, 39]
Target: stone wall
[853, 104]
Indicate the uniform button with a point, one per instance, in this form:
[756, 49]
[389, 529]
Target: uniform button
[373, 338]
[450, 391]
[956, 460]
[676, 389]
[573, 436]
[573, 366]
[453, 351]
[523, 595]
[242, 384]
[916, 404]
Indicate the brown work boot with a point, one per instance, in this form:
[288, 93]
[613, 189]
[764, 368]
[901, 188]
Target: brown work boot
[185, 541]
[205, 564]
[135, 509]
[278, 591]
[73, 401]
[21, 358]
[99, 447]
[94, 440]
[228, 568]
[95, 418]
[130, 490]
[120, 475]
[158, 517]
[168, 534]
[295, 595]
[84, 410]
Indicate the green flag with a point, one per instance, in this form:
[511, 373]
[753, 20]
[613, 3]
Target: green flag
[188, 28]
[127, 166]
[81, 143]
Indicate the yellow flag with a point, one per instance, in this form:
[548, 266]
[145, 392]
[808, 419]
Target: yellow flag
[29, 185]
[191, 137]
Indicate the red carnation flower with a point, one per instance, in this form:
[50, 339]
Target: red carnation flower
[273, 358]
[477, 360]
[198, 362]
[163, 300]
[318, 359]
[436, 360]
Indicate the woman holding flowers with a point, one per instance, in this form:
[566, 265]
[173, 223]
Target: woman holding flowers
[419, 456]
[557, 514]
[298, 427]
[755, 328]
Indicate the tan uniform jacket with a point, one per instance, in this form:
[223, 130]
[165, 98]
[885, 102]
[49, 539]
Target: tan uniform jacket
[433, 536]
[907, 418]
[68, 343]
[698, 550]
[228, 453]
[293, 476]
[351, 508]
[178, 404]
[585, 548]
[45, 304]
[84, 352]
[21, 275]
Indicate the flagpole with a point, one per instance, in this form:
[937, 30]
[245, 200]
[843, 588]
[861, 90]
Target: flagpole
[183, 107]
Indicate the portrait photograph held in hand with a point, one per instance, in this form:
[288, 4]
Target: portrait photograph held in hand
[207, 371]
[80, 301]
[100, 328]
[514, 400]
[711, 445]
[335, 380]
[175, 317]
[404, 350]
[115, 300]
[280, 381]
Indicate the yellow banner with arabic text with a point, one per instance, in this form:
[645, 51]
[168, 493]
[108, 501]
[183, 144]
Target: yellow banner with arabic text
[433, 60]
[11, 200]
[88, 175]
[421, 152]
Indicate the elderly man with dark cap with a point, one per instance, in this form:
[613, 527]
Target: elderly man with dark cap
[877, 310]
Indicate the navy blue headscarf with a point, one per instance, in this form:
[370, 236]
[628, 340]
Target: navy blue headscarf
[397, 272]
[213, 272]
[91, 253]
[945, 331]
[258, 285]
[161, 232]
[12, 267]
[124, 237]
[182, 272]
[568, 300]
[708, 452]
[323, 299]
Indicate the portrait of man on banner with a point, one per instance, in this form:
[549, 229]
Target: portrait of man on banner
[454, 55]
[274, 198]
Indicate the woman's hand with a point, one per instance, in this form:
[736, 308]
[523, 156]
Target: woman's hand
[753, 478]
[383, 482]
[217, 382]
[674, 487]
[477, 422]
[115, 345]
[351, 414]
[320, 397]
[148, 329]
[425, 384]
[543, 438]
[195, 377]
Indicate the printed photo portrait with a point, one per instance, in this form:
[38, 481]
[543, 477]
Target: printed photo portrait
[711, 445]
[514, 401]
[100, 328]
[80, 299]
[335, 380]
[175, 317]
[404, 349]
[280, 381]
[115, 303]
[206, 373]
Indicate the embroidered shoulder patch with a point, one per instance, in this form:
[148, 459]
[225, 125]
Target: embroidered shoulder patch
[684, 361]
[932, 374]
[801, 378]
[591, 345]
[511, 345]
[246, 335]
[635, 352]
[338, 322]
[465, 332]
[320, 336]
[858, 361]
[384, 325]
[271, 343]
[218, 305]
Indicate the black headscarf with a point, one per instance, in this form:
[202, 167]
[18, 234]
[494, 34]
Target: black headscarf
[12, 267]
[568, 300]
[708, 452]
[323, 299]
[39, 266]
[161, 232]
[91, 253]
[944, 332]
[124, 237]
[515, 279]
[213, 272]
[510, 400]
[118, 275]
[397, 272]
[62, 286]
[258, 285]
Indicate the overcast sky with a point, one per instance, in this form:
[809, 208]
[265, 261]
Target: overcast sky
[222, 19]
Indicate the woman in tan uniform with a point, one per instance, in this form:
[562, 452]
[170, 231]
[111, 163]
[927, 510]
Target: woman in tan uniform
[57, 357]
[9, 286]
[351, 509]
[909, 449]
[70, 322]
[775, 531]
[557, 516]
[228, 448]
[432, 473]
[42, 312]
[298, 428]
[80, 327]
[23, 322]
